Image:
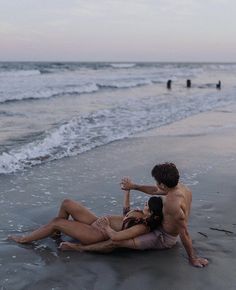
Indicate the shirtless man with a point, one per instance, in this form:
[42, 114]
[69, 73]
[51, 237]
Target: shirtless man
[176, 210]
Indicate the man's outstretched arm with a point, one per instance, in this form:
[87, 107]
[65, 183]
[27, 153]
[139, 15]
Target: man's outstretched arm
[127, 184]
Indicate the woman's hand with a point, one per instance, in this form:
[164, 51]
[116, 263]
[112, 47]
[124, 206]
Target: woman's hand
[103, 222]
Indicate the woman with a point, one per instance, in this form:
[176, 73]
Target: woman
[88, 228]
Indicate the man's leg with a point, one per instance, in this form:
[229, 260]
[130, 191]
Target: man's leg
[102, 247]
[144, 242]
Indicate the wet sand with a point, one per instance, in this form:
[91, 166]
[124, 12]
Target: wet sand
[203, 148]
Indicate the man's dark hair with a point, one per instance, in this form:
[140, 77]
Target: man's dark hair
[166, 173]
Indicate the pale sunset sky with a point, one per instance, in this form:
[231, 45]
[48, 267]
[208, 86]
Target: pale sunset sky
[118, 30]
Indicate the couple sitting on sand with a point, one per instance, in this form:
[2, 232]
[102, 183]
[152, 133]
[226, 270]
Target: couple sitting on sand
[157, 226]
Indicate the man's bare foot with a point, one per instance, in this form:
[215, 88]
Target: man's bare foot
[17, 239]
[68, 246]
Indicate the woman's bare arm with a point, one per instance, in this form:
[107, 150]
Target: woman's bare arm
[127, 233]
[126, 202]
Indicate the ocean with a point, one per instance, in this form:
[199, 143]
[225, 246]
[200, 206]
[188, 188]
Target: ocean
[52, 110]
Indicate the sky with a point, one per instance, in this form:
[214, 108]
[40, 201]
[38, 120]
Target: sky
[118, 30]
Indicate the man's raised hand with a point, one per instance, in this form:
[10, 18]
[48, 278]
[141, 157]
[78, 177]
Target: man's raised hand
[126, 184]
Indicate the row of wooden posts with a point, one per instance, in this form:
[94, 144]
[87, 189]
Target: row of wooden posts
[189, 84]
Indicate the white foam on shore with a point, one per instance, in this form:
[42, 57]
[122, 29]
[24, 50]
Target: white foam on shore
[102, 127]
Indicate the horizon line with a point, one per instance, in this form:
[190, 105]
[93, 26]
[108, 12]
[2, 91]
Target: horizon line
[124, 61]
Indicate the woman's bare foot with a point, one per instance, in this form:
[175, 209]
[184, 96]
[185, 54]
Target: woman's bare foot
[68, 246]
[17, 239]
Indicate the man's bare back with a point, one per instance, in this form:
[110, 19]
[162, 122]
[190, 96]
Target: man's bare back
[177, 204]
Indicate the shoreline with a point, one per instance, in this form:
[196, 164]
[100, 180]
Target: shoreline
[202, 146]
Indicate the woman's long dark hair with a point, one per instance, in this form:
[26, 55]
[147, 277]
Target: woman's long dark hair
[155, 205]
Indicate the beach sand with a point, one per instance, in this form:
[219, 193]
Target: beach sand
[203, 148]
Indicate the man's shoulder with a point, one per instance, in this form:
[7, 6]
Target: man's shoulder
[183, 189]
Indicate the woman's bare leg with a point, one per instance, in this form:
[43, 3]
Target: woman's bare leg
[42, 232]
[77, 211]
[83, 232]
